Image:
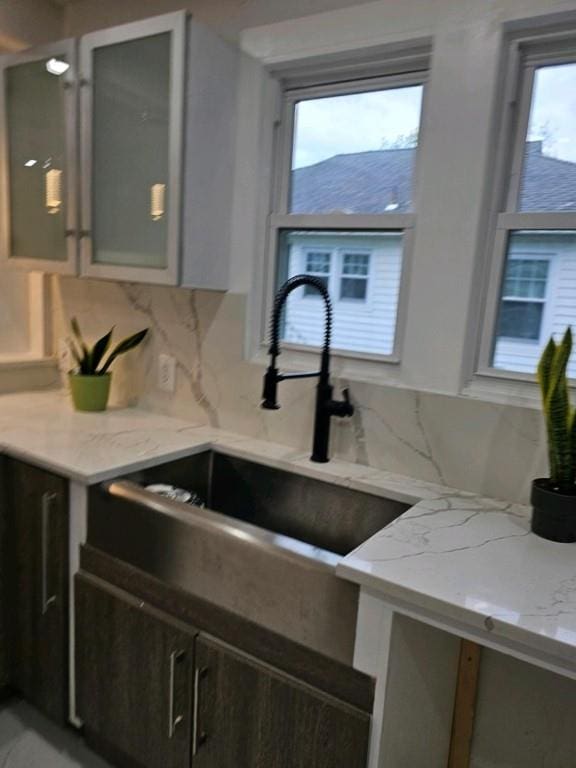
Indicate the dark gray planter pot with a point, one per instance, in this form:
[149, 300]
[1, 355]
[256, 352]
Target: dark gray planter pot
[553, 513]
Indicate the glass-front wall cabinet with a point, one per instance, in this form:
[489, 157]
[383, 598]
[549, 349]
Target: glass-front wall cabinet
[38, 150]
[119, 168]
[132, 103]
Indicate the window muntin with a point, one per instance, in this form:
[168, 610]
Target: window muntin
[538, 221]
[354, 279]
[368, 310]
[355, 153]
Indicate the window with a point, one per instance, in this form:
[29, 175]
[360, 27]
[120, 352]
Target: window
[14, 315]
[344, 210]
[354, 280]
[523, 298]
[318, 265]
[533, 285]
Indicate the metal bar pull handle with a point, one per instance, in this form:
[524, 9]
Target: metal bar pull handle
[174, 720]
[198, 736]
[47, 599]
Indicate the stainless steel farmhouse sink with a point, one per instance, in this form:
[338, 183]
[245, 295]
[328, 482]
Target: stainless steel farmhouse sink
[265, 543]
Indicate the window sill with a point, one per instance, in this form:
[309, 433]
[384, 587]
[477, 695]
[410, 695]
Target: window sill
[345, 365]
[19, 373]
[504, 389]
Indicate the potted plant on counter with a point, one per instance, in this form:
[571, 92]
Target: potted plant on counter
[554, 497]
[90, 381]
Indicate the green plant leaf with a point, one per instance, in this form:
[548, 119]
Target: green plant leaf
[76, 355]
[85, 363]
[545, 367]
[124, 346]
[558, 415]
[100, 349]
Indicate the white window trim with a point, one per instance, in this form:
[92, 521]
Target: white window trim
[525, 55]
[353, 364]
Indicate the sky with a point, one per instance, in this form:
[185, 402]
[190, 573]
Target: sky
[365, 121]
[553, 114]
[354, 123]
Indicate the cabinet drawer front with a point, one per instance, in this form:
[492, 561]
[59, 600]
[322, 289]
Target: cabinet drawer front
[134, 676]
[248, 714]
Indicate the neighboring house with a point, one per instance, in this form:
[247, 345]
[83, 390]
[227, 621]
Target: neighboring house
[362, 270]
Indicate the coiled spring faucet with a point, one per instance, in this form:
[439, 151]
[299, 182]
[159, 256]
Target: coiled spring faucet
[326, 407]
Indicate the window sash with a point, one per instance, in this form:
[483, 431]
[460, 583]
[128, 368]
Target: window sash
[386, 222]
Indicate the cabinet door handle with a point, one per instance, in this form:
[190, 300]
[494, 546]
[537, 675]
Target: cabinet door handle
[47, 599]
[198, 736]
[173, 719]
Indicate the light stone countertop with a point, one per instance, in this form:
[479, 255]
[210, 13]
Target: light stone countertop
[454, 559]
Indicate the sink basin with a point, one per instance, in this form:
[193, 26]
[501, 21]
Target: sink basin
[326, 516]
[265, 545]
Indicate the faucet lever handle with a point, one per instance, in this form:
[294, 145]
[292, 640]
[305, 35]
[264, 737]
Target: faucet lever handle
[343, 408]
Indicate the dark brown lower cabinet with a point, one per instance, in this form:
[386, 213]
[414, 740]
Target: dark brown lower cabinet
[134, 671]
[36, 530]
[154, 693]
[252, 716]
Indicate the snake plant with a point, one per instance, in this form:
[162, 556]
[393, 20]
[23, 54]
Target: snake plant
[559, 415]
[90, 359]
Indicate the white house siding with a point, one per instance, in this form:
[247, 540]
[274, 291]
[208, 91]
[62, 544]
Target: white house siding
[362, 326]
[560, 304]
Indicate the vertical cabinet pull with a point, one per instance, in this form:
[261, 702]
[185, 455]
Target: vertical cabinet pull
[174, 720]
[47, 599]
[198, 736]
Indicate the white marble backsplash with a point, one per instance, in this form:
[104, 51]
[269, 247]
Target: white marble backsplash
[490, 449]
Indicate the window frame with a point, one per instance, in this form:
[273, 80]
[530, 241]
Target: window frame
[525, 56]
[407, 73]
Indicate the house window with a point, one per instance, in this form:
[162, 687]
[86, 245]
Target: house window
[344, 209]
[354, 280]
[533, 284]
[523, 297]
[318, 265]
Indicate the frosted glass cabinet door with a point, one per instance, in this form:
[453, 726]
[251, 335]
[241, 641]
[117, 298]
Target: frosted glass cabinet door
[132, 120]
[38, 195]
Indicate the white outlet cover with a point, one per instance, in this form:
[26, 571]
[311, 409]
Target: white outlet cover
[166, 373]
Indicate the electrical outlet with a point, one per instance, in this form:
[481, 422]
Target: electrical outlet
[65, 361]
[166, 373]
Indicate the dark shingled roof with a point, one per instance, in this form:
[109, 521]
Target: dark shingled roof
[372, 182]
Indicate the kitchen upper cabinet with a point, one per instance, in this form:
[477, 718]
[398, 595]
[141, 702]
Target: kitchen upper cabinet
[36, 505]
[37, 189]
[156, 116]
[134, 671]
[249, 714]
[132, 119]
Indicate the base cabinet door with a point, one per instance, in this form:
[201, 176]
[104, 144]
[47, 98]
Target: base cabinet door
[36, 505]
[248, 715]
[134, 670]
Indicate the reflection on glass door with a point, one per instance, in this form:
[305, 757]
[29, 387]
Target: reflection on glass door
[35, 93]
